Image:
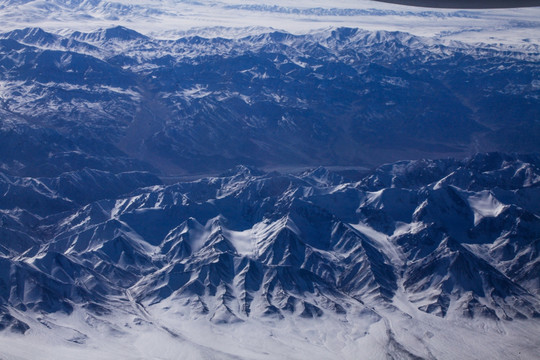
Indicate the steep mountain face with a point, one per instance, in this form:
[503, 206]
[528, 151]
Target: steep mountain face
[451, 239]
[117, 100]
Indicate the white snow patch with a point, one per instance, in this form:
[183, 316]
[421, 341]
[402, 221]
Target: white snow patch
[382, 241]
[484, 204]
[243, 241]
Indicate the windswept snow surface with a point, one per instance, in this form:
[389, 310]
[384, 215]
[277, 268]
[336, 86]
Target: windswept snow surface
[166, 335]
[408, 262]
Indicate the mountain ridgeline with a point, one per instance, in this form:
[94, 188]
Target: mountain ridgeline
[455, 239]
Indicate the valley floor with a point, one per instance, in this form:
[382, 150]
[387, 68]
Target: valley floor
[166, 334]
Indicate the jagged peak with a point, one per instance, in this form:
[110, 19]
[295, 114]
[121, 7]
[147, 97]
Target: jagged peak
[298, 250]
[322, 176]
[243, 171]
[31, 35]
[116, 33]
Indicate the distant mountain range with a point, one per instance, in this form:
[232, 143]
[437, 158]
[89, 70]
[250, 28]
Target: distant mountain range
[118, 99]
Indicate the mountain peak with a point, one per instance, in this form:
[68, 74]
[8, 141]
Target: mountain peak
[322, 176]
[116, 33]
[242, 171]
[32, 36]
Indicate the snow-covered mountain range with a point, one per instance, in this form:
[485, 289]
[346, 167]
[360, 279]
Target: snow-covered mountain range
[454, 240]
[117, 99]
[170, 18]
[205, 180]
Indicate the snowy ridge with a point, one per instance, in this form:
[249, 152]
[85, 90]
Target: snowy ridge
[168, 18]
[452, 240]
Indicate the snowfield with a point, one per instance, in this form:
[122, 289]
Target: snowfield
[169, 335]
